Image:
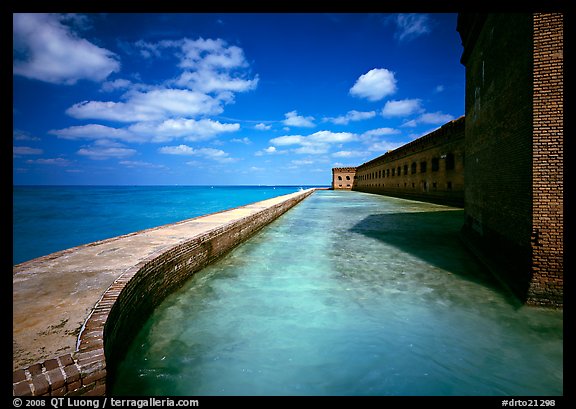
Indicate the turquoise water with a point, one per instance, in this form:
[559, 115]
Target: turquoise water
[347, 294]
[52, 218]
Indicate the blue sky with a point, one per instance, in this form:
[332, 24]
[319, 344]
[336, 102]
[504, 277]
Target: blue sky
[225, 99]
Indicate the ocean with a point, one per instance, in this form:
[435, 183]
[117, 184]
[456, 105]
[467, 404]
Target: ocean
[47, 219]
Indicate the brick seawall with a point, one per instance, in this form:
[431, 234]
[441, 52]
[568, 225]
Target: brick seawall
[76, 311]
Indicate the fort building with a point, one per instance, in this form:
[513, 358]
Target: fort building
[343, 178]
[430, 168]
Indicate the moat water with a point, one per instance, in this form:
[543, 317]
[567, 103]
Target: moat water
[347, 294]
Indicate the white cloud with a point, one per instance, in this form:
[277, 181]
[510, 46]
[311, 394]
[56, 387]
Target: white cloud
[209, 153]
[313, 149]
[26, 150]
[380, 132]
[271, 150]
[300, 162]
[245, 140]
[211, 54]
[434, 118]
[402, 107]
[19, 135]
[332, 137]
[94, 131]
[45, 49]
[350, 116]
[317, 137]
[216, 58]
[410, 26]
[177, 150]
[212, 153]
[194, 163]
[374, 85]
[154, 132]
[316, 143]
[103, 152]
[439, 88]
[384, 146]
[149, 50]
[50, 161]
[210, 81]
[374, 143]
[211, 72]
[293, 119]
[348, 154]
[262, 127]
[117, 84]
[188, 129]
[141, 164]
[154, 105]
[287, 140]
[208, 65]
[268, 151]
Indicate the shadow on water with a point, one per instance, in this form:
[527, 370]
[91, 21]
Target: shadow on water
[433, 237]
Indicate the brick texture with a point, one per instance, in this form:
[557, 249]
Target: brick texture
[546, 286]
[514, 149]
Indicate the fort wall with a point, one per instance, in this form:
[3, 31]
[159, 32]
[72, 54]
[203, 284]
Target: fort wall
[514, 158]
[547, 240]
[430, 168]
[343, 178]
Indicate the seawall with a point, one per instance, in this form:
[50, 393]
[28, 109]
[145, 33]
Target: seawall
[76, 311]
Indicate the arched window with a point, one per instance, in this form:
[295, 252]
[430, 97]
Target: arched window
[413, 168]
[339, 177]
[347, 177]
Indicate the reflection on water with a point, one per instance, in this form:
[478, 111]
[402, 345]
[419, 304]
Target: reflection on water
[347, 294]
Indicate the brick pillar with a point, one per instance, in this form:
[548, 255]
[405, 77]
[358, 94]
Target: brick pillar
[546, 286]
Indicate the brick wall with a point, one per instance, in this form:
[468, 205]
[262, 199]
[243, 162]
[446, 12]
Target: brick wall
[56, 377]
[430, 168]
[343, 178]
[126, 305]
[514, 158]
[547, 162]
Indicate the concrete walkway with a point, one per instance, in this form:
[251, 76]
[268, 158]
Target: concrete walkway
[54, 295]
